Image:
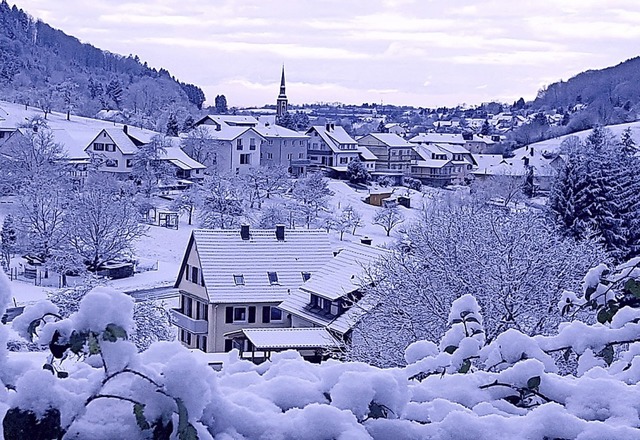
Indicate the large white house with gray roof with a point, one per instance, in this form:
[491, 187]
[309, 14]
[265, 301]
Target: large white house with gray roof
[235, 279]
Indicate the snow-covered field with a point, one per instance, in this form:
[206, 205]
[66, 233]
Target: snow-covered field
[164, 248]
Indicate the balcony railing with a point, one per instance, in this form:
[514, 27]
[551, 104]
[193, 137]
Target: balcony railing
[196, 326]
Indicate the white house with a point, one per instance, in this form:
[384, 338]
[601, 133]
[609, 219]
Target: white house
[331, 147]
[231, 280]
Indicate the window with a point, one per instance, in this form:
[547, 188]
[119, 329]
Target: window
[187, 305]
[111, 163]
[194, 275]
[315, 146]
[252, 144]
[344, 160]
[235, 314]
[185, 336]
[306, 276]
[97, 146]
[130, 163]
[202, 342]
[269, 155]
[202, 311]
[273, 277]
[289, 156]
[300, 155]
[245, 159]
[109, 147]
[239, 314]
[270, 313]
[187, 273]
[239, 280]
[239, 144]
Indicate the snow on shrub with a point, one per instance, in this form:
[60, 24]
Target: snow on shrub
[96, 385]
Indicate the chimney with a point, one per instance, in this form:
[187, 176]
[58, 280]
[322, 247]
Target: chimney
[280, 232]
[327, 127]
[526, 161]
[244, 232]
[218, 127]
[125, 128]
[366, 240]
[532, 151]
[332, 126]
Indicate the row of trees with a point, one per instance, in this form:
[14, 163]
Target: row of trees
[598, 193]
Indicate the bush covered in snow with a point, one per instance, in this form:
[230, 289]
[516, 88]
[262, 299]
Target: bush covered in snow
[96, 385]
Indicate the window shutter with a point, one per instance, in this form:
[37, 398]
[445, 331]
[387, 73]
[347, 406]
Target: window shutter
[252, 314]
[266, 314]
[228, 344]
[229, 315]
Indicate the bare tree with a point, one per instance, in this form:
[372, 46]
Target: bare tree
[103, 223]
[515, 264]
[388, 218]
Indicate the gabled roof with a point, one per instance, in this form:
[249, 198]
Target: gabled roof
[231, 120]
[390, 139]
[437, 138]
[223, 254]
[276, 131]
[229, 133]
[342, 275]
[119, 137]
[334, 138]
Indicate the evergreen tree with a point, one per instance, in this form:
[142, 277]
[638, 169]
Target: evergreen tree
[221, 104]
[357, 172]
[114, 92]
[172, 126]
[486, 128]
[628, 144]
[8, 240]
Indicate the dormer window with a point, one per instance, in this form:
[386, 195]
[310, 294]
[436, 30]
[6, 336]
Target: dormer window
[239, 280]
[273, 277]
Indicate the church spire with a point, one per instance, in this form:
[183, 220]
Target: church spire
[282, 102]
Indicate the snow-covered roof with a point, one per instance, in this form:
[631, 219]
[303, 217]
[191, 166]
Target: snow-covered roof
[437, 138]
[276, 131]
[223, 254]
[516, 165]
[366, 153]
[342, 275]
[279, 338]
[334, 137]
[228, 132]
[181, 159]
[390, 139]
[245, 120]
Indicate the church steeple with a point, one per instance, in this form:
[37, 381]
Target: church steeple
[282, 102]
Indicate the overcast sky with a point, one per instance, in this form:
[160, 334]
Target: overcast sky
[416, 52]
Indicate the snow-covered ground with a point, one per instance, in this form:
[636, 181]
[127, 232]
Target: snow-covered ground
[553, 145]
[164, 248]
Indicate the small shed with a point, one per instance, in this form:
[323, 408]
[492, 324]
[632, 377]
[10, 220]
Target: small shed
[116, 270]
[168, 219]
[376, 198]
[257, 344]
[404, 201]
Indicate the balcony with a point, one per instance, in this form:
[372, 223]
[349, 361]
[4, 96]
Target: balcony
[195, 326]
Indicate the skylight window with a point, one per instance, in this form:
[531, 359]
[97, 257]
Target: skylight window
[273, 277]
[239, 280]
[306, 276]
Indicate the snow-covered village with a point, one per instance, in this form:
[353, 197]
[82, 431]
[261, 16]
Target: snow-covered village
[319, 220]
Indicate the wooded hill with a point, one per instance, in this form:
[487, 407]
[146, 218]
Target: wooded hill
[45, 67]
[606, 96]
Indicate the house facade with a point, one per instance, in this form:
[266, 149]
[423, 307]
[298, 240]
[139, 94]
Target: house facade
[284, 147]
[394, 154]
[231, 280]
[331, 147]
